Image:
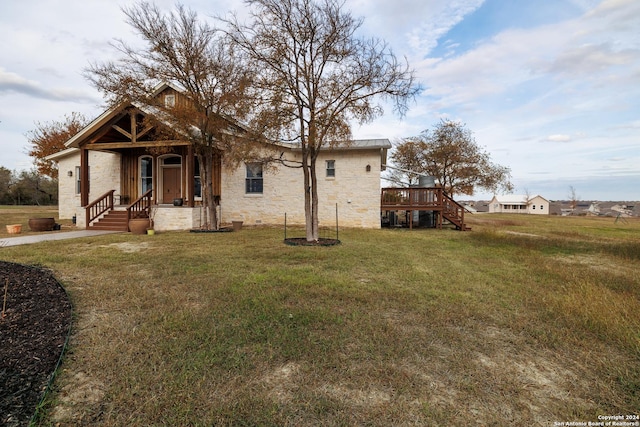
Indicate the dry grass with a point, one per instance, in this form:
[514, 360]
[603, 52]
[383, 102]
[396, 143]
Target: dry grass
[522, 321]
[21, 214]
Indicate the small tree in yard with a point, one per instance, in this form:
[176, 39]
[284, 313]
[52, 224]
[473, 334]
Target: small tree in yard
[181, 50]
[314, 77]
[450, 154]
[49, 138]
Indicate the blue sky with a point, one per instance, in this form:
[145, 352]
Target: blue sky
[549, 88]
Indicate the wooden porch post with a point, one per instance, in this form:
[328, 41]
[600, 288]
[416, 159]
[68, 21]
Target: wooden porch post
[190, 176]
[84, 177]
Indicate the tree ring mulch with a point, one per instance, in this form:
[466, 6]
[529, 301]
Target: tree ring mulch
[302, 241]
[33, 335]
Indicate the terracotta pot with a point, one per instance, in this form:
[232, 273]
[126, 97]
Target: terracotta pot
[139, 225]
[14, 228]
[41, 224]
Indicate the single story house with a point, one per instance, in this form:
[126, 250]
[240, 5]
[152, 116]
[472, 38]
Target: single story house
[520, 204]
[121, 156]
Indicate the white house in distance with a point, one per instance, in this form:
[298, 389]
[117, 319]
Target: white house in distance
[115, 163]
[519, 204]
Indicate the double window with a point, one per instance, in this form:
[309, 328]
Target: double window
[253, 181]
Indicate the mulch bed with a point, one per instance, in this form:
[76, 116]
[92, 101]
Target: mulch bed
[302, 241]
[33, 333]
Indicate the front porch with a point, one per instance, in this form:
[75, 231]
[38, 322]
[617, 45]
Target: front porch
[107, 213]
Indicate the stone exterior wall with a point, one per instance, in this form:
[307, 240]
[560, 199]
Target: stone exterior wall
[104, 175]
[167, 218]
[354, 190]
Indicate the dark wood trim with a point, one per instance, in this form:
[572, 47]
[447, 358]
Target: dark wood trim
[84, 177]
[145, 144]
[190, 176]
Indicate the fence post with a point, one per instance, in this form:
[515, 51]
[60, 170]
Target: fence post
[337, 221]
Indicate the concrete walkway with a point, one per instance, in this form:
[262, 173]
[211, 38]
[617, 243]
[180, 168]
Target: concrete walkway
[36, 238]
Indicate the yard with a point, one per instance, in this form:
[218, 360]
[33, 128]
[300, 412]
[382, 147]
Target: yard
[525, 320]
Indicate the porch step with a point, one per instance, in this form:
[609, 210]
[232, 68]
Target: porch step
[115, 220]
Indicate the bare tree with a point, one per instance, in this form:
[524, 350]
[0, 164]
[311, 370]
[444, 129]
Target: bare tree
[182, 50]
[451, 154]
[573, 198]
[407, 156]
[315, 77]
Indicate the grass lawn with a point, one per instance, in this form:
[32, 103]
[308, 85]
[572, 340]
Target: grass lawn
[525, 320]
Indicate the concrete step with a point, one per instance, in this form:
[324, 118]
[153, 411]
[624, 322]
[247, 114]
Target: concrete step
[109, 227]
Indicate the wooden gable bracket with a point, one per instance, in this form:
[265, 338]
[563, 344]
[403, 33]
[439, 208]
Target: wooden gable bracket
[124, 132]
[134, 134]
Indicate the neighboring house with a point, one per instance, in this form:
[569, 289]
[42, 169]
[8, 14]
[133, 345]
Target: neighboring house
[119, 153]
[520, 204]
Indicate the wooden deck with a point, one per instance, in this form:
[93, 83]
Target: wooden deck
[433, 199]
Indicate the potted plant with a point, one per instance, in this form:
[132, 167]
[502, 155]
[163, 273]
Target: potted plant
[152, 213]
[14, 228]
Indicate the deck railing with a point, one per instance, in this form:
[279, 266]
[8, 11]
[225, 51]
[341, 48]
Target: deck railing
[411, 198]
[99, 206]
[141, 207]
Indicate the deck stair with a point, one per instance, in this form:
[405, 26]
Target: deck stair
[114, 220]
[102, 214]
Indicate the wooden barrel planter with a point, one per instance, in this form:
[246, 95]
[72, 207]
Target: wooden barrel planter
[139, 225]
[41, 224]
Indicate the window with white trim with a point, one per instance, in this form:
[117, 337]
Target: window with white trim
[146, 174]
[197, 185]
[253, 181]
[169, 101]
[331, 168]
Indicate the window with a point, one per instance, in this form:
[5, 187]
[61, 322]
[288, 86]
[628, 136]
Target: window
[169, 101]
[79, 179]
[541, 207]
[146, 174]
[534, 207]
[197, 184]
[331, 168]
[253, 182]
[172, 161]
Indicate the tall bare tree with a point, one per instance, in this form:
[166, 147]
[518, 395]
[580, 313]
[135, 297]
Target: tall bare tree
[315, 77]
[451, 154]
[48, 138]
[181, 49]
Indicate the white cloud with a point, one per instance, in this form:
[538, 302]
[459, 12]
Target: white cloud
[14, 83]
[559, 138]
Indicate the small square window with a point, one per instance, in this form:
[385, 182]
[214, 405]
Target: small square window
[331, 168]
[169, 101]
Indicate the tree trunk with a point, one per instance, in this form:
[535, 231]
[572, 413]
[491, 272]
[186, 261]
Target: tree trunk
[307, 195]
[314, 201]
[209, 200]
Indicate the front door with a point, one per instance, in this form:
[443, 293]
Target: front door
[170, 184]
